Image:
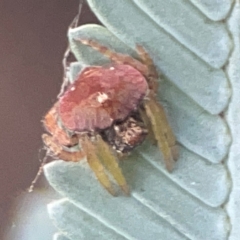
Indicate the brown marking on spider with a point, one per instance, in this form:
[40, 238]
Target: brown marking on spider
[124, 136]
[109, 109]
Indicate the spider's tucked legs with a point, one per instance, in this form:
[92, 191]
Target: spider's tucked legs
[96, 165]
[110, 162]
[99, 157]
[162, 131]
[158, 125]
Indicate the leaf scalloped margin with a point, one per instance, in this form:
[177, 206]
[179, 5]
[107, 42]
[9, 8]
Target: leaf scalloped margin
[216, 10]
[233, 118]
[188, 203]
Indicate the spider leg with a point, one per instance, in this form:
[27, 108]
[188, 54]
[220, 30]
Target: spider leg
[158, 124]
[162, 131]
[147, 123]
[96, 165]
[147, 60]
[152, 72]
[116, 57]
[109, 160]
[59, 152]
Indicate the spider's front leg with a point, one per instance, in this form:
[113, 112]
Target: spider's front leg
[158, 124]
[95, 164]
[100, 156]
[162, 131]
[109, 160]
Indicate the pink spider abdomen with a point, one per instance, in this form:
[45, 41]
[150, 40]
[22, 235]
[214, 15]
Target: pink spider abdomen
[101, 95]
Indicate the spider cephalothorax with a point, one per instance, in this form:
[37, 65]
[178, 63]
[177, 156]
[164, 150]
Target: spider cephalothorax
[109, 109]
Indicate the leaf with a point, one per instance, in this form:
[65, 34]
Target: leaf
[86, 227]
[60, 236]
[200, 62]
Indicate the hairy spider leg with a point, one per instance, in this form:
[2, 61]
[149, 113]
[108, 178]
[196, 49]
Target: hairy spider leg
[96, 165]
[162, 131]
[110, 162]
[116, 57]
[152, 74]
[158, 126]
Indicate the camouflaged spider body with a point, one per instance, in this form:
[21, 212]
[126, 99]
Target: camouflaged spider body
[109, 109]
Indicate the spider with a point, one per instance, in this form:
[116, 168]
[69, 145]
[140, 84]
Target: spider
[106, 113]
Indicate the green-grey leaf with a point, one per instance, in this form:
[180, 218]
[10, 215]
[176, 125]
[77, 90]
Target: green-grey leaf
[60, 236]
[200, 63]
[77, 224]
[214, 9]
[125, 215]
